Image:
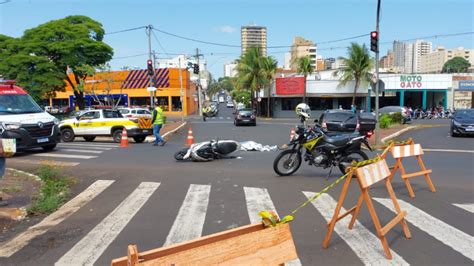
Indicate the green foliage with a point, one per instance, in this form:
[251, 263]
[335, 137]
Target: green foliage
[54, 190]
[357, 68]
[225, 83]
[250, 73]
[385, 121]
[303, 66]
[456, 65]
[396, 118]
[242, 96]
[40, 59]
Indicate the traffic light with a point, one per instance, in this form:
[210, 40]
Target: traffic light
[149, 66]
[374, 41]
[196, 69]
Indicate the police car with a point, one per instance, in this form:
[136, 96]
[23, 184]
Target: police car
[104, 122]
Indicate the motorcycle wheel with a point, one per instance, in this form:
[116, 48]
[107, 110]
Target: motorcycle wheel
[180, 154]
[357, 156]
[287, 162]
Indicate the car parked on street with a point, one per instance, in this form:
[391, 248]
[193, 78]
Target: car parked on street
[462, 122]
[245, 117]
[396, 109]
[338, 121]
[135, 112]
[230, 104]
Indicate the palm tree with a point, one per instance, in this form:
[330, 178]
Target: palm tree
[357, 68]
[269, 65]
[303, 66]
[250, 74]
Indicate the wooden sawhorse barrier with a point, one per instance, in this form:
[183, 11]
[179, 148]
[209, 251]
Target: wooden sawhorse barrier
[368, 173]
[410, 149]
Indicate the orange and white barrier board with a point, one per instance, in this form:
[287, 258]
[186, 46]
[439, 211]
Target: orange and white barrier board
[367, 176]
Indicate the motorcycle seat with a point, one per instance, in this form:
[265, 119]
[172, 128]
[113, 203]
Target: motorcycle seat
[223, 147]
[340, 140]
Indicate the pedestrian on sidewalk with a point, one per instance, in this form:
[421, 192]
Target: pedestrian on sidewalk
[158, 121]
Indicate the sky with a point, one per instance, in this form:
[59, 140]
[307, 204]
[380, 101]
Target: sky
[219, 21]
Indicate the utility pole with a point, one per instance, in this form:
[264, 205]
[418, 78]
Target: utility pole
[377, 124]
[199, 82]
[148, 32]
[181, 86]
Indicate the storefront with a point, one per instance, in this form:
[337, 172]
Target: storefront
[129, 89]
[463, 92]
[426, 90]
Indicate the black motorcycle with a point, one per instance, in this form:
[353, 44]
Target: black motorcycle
[207, 150]
[321, 150]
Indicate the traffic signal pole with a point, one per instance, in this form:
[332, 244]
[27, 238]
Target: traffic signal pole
[148, 32]
[377, 89]
[199, 83]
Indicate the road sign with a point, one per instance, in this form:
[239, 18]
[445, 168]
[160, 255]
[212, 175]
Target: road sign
[151, 89]
[259, 99]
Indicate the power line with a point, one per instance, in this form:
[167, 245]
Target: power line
[120, 31]
[196, 40]
[129, 56]
[434, 36]
[159, 43]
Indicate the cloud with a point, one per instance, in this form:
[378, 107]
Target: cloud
[226, 29]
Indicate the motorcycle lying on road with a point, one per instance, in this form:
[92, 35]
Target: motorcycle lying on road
[207, 150]
[320, 150]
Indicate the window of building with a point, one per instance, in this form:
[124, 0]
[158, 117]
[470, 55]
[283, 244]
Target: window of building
[289, 104]
[163, 102]
[320, 103]
[176, 104]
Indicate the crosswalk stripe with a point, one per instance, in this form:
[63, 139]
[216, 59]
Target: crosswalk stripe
[11, 247]
[191, 216]
[257, 200]
[228, 118]
[88, 144]
[82, 151]
[91, 247]
[61, 155]
[365, 245]
[58, 163]
[85, 147]
[455, 238]
[220, 117]
[467, 206]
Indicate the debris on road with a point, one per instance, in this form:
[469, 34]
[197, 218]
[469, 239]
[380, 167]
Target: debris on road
[254, 146]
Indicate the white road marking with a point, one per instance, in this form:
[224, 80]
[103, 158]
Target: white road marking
[190, 220]
[90, 144]
[450, 236]
[365, 245]
[220, 117]
[11, 247]
[228, 118]
[91, 247]
[85, 147]
[467, 206]
[257, 200]
[60, 155]
[447, 150]
[83, 151]
[58, 163]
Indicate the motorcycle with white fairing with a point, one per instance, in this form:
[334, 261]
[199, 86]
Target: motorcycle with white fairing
[207, 150]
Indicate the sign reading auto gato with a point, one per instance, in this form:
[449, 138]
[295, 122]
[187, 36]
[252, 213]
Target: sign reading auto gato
[290, 86]
[411, 81]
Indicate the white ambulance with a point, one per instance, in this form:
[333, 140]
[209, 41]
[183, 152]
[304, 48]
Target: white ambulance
[22, 119]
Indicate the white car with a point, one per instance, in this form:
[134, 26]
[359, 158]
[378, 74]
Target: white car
[134, 112]
[230, 104]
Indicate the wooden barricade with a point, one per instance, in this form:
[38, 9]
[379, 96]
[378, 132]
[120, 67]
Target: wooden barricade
[246, 245]
[409, 149]
[367, 175]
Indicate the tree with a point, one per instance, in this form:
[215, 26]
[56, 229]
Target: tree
[269, 65]
[303, 66]
[250, 73]
[456, 65]
[357, 67]
[72, 45]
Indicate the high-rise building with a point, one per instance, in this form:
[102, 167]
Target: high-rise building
[254, 36]
[399, 55]
[328, 62]
[230, 70]
[319, 63]
[301, 48]
[434, 62]
[420, 48]
[408, 58]
[387, 60]
[287, 64]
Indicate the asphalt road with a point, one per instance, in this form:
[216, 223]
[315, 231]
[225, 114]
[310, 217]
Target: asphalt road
[225, 192]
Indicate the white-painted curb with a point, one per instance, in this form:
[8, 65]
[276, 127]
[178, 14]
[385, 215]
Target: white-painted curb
[398, 133]
[152, 138]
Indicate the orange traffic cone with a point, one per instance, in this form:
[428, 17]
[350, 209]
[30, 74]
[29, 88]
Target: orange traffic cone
[292, 133]
[124, 140]
[190, 139]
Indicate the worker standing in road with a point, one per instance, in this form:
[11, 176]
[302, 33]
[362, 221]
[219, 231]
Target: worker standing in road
[158, 121]
[205, 111]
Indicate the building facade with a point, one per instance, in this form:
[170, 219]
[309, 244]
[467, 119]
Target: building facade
[129, 88]
[181, 61]
[434, 62]
[302, 48]
[230, 70]
[254, 36]
[420, 48]
[387, 60]
[399, 55]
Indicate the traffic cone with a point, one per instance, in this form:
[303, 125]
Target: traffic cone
[292, 133]
[124, 140]
[190, 138]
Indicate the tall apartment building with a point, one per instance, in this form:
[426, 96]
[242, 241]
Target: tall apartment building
[399, 55]
[230, 70]
[254, 36]
[434, 62]
[301, 48]
[287, 63]
[413, 53]
[387, 61]
[328, 63]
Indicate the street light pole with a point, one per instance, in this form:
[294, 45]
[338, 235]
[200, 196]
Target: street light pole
[199, 84]
[377, 124]
[181, 86]
[148, 32]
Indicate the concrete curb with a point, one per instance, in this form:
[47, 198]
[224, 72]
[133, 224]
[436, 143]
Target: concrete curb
[152, 138]
[398, 133]
[37, 178]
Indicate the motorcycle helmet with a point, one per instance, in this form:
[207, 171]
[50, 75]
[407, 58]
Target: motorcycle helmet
[303, 109]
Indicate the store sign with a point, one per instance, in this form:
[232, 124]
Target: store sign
[411, 81]
[466, 85]
[290, 86]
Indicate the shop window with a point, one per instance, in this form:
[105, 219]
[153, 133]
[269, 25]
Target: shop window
[320, 103]
[289, 104]
[176, 104]
[139, 101]
[163, 102]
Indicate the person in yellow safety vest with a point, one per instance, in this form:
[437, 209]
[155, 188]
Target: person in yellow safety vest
[205, 111]
[157, 122]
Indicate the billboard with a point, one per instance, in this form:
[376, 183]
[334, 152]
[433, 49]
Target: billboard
[290, 86]
[466, 85]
